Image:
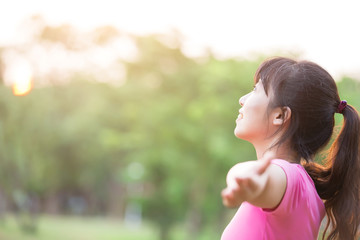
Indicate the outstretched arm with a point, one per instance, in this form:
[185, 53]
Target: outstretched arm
[258, 182]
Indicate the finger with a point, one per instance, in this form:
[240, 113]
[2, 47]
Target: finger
[247, 186]
[231, 193]
[229, 203]
[265, 162]
[241, 190]
[263, 166]
[228, 198]
[225, 192]
[242, 182]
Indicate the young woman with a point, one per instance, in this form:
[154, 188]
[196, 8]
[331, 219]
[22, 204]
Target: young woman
[289, 117]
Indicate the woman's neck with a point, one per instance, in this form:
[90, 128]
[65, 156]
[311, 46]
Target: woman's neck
[282, 151]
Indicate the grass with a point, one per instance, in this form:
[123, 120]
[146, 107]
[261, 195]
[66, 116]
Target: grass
[91, 228]
[76, 228]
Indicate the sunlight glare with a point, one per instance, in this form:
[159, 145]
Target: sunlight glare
[20, 75]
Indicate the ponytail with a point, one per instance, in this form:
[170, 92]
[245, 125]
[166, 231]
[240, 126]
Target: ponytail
[338, 181]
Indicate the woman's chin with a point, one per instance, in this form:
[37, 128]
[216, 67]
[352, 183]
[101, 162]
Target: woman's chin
[241, 134]
[238, 134]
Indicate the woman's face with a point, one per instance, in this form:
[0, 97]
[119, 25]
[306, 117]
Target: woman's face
[252, 123]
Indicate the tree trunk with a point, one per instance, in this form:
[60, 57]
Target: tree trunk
[116, 200]
[52, 204]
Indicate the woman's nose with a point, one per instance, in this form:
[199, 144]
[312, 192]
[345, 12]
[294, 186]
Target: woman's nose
[242, 100]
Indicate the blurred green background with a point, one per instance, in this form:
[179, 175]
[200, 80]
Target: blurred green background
[138, 154]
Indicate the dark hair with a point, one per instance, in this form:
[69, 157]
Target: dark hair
[311, 94]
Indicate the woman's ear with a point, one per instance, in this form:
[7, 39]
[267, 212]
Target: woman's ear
[281, 115]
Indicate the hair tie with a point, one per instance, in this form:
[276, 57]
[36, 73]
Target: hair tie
[341, 107]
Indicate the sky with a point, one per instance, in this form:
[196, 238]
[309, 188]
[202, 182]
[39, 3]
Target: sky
[326, 32]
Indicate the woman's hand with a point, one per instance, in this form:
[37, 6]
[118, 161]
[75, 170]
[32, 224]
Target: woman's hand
[246, 181]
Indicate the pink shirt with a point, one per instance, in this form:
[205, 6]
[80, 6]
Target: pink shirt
[297, 217]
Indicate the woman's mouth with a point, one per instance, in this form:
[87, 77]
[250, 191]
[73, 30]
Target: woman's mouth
[240, 116]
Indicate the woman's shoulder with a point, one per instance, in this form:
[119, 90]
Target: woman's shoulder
[293, 171]
[289, 168]
[300, 194]
[283, 162]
